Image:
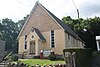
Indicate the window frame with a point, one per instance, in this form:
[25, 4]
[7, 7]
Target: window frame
[52, 39]
[25, 45]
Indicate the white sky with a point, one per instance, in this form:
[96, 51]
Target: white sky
[17, 9]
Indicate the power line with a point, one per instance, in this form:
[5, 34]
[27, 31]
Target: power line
[74, 4]
[76, 8]
[25, 5]
[21, 3]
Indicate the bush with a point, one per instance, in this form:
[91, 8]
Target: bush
[82, 56]
[14, 57]
[96, 53]
[36, 57]
[52, 57]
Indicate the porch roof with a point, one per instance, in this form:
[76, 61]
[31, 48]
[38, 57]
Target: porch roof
[38, 33]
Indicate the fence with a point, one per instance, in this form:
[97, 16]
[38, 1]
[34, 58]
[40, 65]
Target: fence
[77, 57]
[4, 64]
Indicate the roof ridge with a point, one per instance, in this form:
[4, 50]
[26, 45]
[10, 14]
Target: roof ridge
[39, 33]
[28, 18]
[63, 25]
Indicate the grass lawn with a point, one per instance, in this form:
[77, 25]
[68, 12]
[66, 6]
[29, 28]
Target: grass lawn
[41, 61]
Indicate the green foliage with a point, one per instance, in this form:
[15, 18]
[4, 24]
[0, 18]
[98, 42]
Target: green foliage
[36, 57]
[20, 23]
[82, 56]
[9, 31]
[14, 57]
[96, 53]
[52, 57]
[42, 62]
[87, 29]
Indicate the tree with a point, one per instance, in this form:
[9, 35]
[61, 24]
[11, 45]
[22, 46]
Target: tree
[9, 33]
[87, 29]
[1, 26]
[20, 23]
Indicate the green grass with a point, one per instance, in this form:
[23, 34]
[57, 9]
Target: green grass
[32, 62]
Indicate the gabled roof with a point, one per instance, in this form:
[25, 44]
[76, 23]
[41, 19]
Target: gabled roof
[57, 20]
[63, 25]
[38, 33]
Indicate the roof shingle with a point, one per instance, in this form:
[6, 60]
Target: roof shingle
[38, 33]
[63, 25]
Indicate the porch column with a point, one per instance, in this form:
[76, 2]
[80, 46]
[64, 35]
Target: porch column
[37, 47]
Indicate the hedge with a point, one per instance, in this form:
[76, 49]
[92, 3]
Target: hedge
[82, 56]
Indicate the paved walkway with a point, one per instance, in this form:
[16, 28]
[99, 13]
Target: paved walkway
[4, 64]
[96, 62]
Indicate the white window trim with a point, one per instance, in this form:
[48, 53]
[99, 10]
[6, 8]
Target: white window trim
[98, 45]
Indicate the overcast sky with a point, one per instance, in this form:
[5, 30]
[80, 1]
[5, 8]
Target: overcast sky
[17, 9]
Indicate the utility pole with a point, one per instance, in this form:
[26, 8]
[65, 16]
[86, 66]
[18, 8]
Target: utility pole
[78, 13]
[76, 8]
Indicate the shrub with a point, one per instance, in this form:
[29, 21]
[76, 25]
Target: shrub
[14, 57]
[52, 57]
[96, 53]
[82, 56]
[36, 57]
